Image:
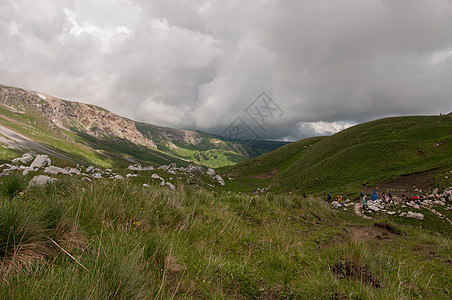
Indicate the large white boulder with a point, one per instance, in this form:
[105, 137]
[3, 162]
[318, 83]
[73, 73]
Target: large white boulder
[41, 180]
[41, 161]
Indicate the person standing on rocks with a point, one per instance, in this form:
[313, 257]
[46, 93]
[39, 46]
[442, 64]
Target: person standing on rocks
[364, 201]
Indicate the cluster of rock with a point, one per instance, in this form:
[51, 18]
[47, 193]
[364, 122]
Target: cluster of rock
[29, 162]
[394, 207]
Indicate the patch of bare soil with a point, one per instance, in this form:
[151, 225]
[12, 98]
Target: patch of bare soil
[348, 269]
[266, 175]
[407, 183]
[379, 231]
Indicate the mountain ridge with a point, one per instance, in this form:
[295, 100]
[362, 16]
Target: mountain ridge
[105, 131]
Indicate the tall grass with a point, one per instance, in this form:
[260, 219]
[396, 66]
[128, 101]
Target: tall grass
[124, 241]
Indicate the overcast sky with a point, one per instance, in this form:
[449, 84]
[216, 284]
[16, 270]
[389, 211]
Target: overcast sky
[193, 64]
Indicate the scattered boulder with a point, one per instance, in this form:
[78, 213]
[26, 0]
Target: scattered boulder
[41, 161]
[195, 170]
[170, 185]
[25, 159]
[156, 176]
[163, 167]
[118, 177]
[135, 167]
[336, 204]
[219, 179]
[414, 215]
[172, 166]
[41, 180]
[97, 175]
[210, 172]
[52, 170]
[26, 170]
[145, 185]
[74, 171]
[171, 171]
[131, 175]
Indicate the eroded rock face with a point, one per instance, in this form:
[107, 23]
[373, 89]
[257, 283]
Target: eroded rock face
[41, 161]
[41, 180]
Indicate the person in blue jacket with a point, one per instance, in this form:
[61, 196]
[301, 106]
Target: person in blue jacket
[374, 196]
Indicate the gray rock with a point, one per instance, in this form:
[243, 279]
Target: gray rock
[13, 168]
[41, 161]
[219, 179]
[97, 175]
[336, 204]
[210, 172]
[52, 170]
[41, 180]
[25, 159]
[414, 215]
[74, 171]
[136, 167]
[118, 177]
[170, 185]
[170, 171]
[163, 167]
[172, 165]
[156, 176]
[402, 214]
[131, 175]
[90, 169]
[195, 170]
[26, 170]
[149, 168]
[145, 185]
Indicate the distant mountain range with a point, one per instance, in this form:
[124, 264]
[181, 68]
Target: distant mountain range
[91, 134]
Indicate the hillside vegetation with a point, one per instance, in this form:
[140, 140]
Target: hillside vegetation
[373, 152]
[119, 240]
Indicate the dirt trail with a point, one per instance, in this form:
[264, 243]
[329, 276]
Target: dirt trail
[358, 211]
[21, 142]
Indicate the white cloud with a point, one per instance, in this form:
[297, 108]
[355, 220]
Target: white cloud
[199, 64]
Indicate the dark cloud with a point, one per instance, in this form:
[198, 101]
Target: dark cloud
[199, 64]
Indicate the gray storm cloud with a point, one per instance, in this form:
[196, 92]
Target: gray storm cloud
[199, 64]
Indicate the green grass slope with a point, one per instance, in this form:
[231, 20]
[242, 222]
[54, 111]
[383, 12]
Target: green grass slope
[372, 152]
[118, 240]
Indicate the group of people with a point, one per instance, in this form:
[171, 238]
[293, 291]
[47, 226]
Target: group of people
[386, 197]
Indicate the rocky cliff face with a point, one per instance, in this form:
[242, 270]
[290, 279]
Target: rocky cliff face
[92, 119]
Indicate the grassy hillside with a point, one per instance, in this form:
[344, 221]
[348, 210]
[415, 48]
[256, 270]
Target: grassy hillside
[372, 152]
[125, 241]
